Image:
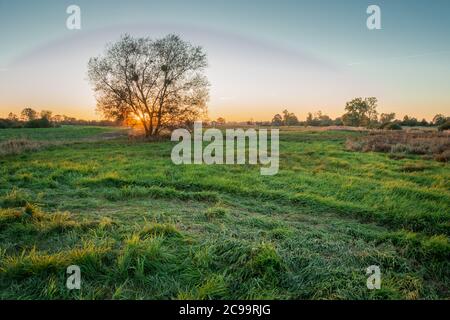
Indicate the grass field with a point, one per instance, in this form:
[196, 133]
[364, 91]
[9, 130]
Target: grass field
[141, 227]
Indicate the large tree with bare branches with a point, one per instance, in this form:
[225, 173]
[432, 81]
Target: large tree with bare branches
[160, 83]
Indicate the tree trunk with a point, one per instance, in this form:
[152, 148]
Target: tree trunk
[147, 131]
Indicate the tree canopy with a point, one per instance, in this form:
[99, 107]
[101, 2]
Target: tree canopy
[360, 112]
[160, 83]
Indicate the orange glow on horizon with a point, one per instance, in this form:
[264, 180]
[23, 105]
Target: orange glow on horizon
[241, 113]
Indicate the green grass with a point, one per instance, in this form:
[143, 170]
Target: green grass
[141, 227]
[55, 134]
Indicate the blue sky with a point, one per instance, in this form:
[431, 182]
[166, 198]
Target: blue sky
[264, 55]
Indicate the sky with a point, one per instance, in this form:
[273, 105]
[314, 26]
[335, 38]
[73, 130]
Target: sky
[264, 56]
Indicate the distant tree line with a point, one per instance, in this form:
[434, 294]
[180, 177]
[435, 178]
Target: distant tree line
[360, 112]
[30, 118]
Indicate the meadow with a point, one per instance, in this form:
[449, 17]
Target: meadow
[141, 227]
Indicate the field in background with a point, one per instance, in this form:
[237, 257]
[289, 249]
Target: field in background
[141, 227]
[65, 133]
[23, 140]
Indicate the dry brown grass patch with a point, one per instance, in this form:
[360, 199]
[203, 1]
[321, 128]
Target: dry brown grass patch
[429, 143]
[18, 146]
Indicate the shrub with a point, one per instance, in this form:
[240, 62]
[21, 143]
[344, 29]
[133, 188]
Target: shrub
[397, 148]
[444, 126]
[383, 125]
[443, 157]
[392, 126]
[38, 123]
[7, 123]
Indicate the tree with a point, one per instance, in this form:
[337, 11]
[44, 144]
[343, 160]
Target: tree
[372, 113]
[445, 126]
[309, 119]
[161, 82]
[12, 117]
[46, 114]
[220, 121]
[57, 118]
[68, 120]
[411, 122]
[387, 117]
[439, 119]
[318, 119]
[360, 112]
[277, 120]
[338, 121]
[322, 119]
[28, 114]
[289, 119]
[38, 123]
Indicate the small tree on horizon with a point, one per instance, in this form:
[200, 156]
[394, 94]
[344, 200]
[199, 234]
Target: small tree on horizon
[46, 114]
[387, 117]
[28, 114]
[221, 121]
[360, 112]
[289, 119]
[12, 117]
[277, 120]
[439, 119]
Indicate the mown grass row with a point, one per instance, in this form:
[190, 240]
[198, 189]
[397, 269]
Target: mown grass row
[432, 222]
[160, 261]
[436, 221]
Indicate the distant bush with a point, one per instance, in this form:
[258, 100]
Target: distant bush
[444, 126]
[396, 148]
[392, 126]
[35, 123]
[7, 124]
[53, 122]
[383, 125]
[39, 123]
[443, 157]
